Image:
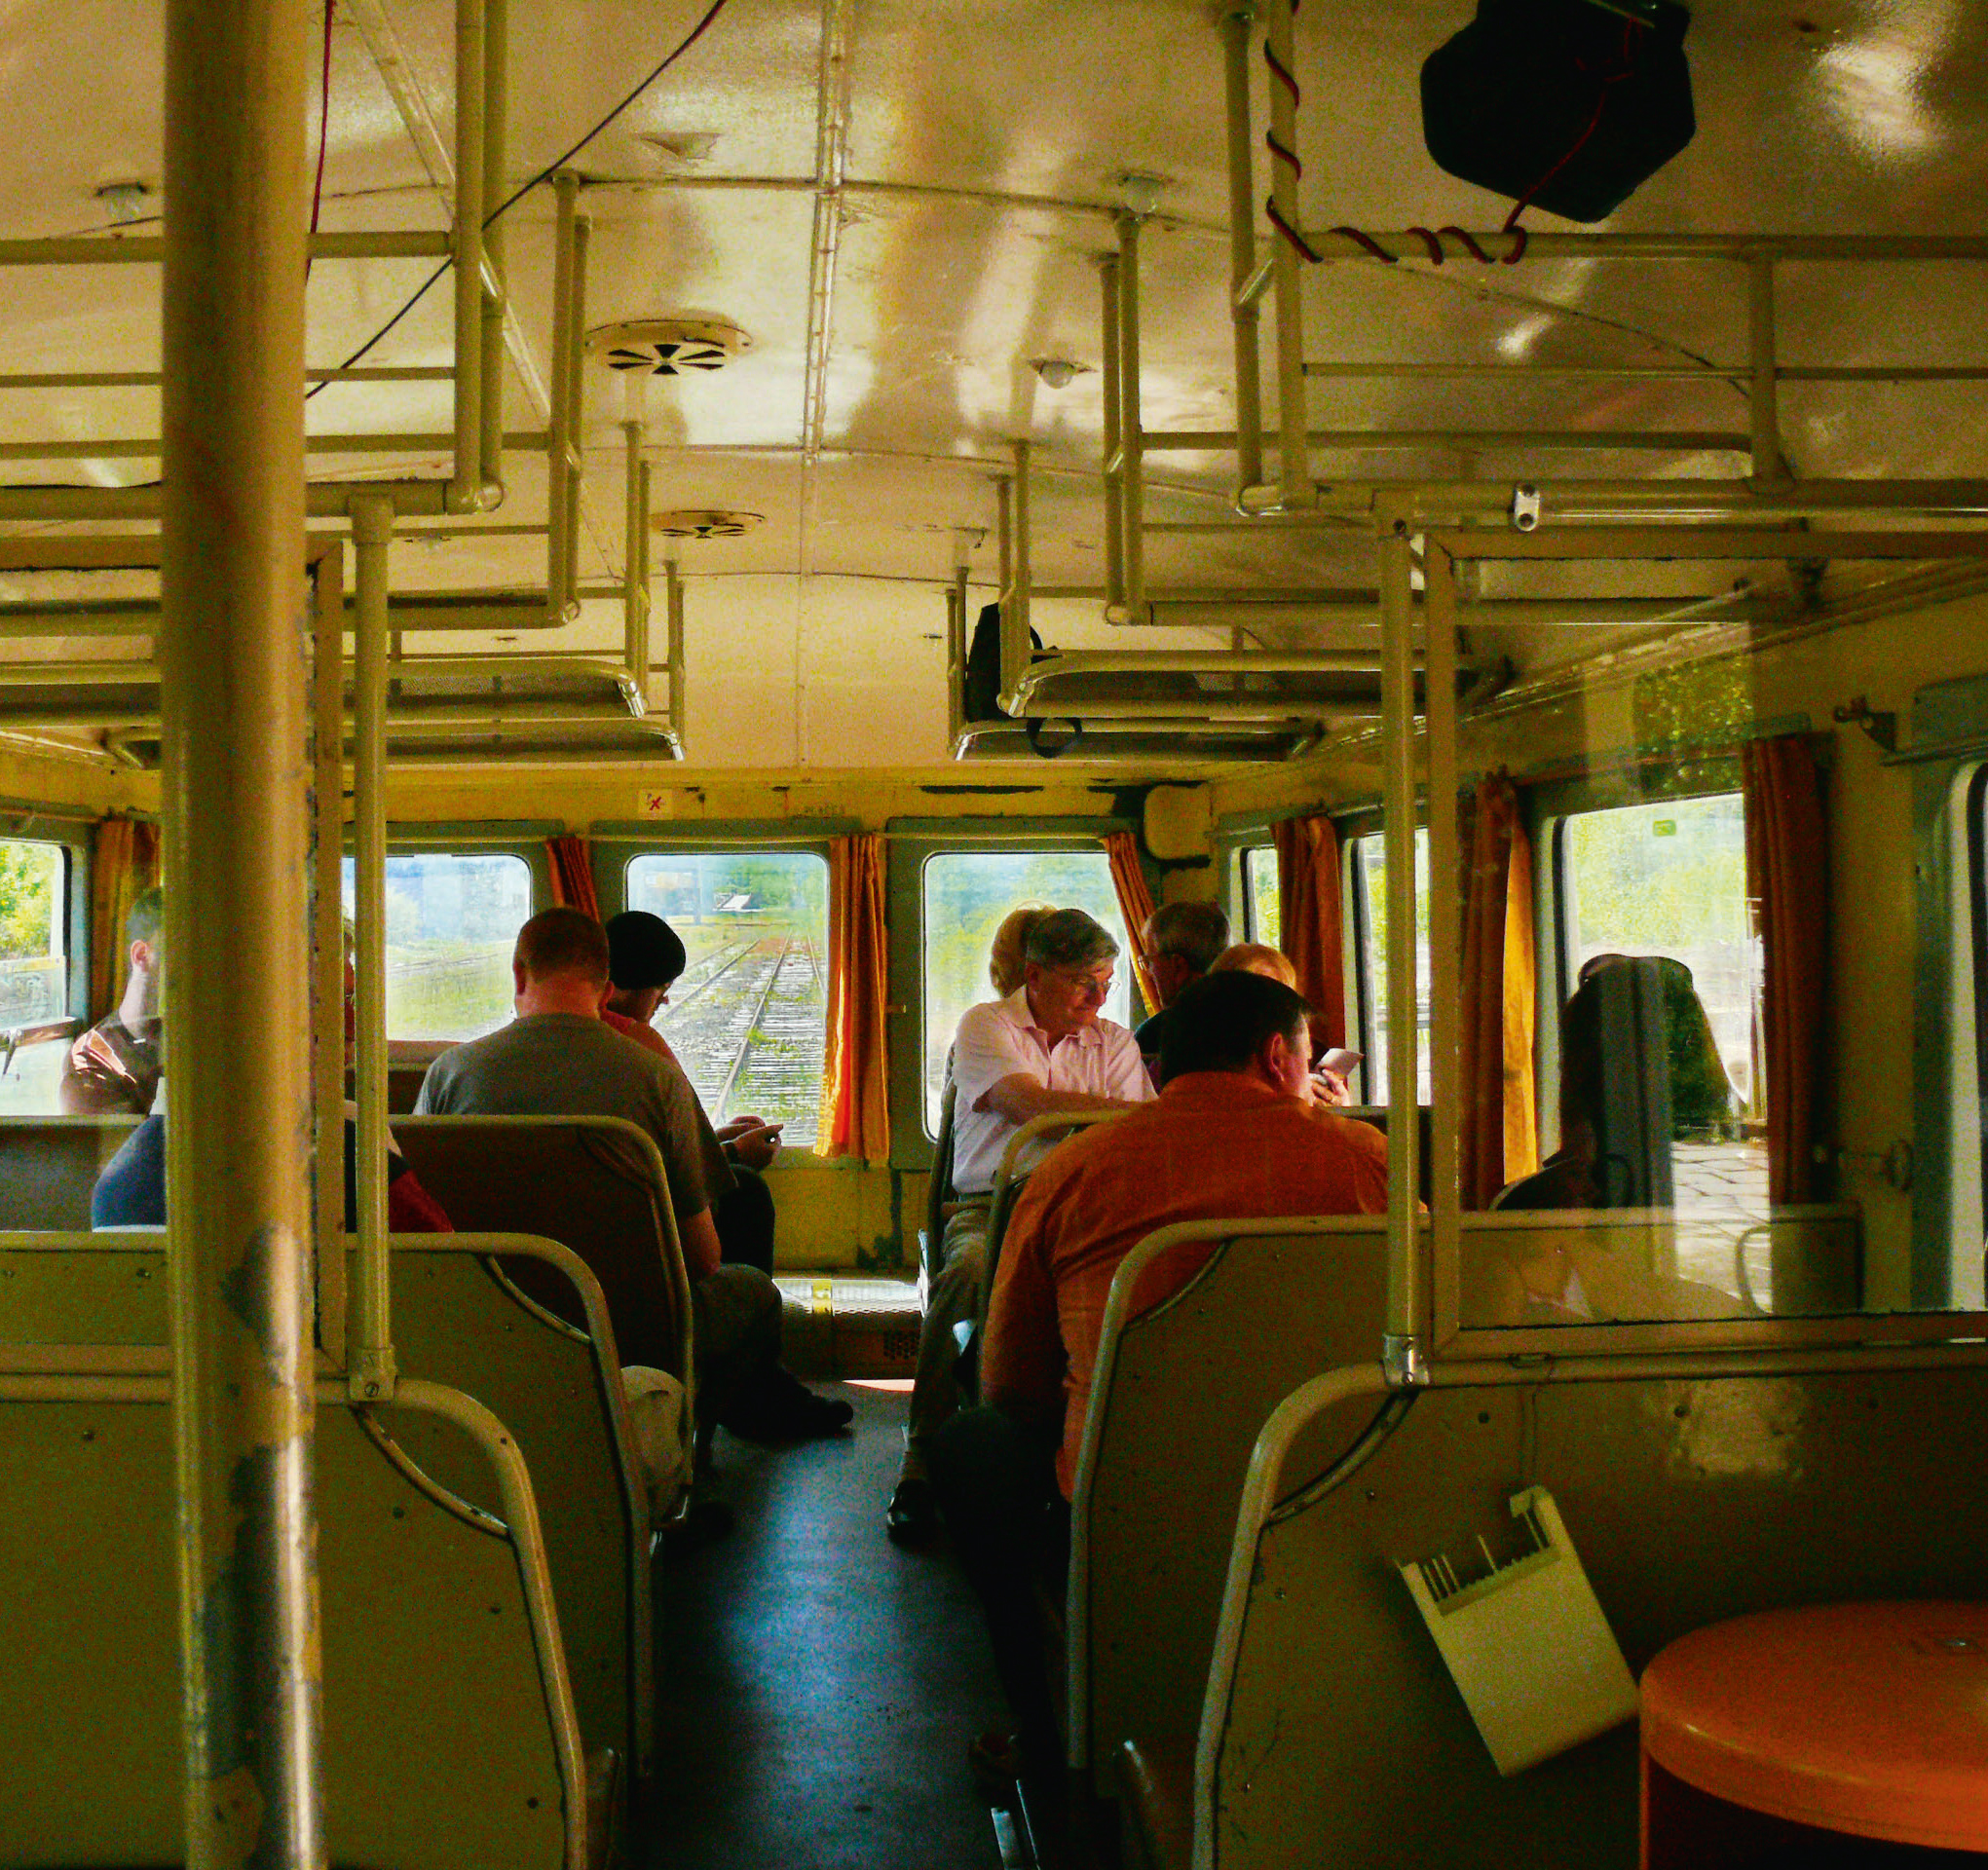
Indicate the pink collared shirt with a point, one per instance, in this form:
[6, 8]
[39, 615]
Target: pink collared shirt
[1000, 1039]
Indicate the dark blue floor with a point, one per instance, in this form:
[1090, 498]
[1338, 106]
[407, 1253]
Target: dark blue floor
[818, 1687]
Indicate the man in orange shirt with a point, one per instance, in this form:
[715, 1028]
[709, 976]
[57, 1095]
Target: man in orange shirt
[1233, 1135]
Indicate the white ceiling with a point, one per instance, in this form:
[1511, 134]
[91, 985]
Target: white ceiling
[980, 154]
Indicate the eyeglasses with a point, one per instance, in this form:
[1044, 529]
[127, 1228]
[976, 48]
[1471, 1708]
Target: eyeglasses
[1081, 980]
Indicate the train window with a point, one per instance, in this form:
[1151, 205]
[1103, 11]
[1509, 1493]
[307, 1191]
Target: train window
[1261, 921]
[452, 922]
[34, 973]
[749, 1020]
[1670, 878]
[966, 894]
[1368, 873]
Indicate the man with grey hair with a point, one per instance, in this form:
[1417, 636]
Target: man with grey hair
[1182, 942]
[1041, 1051]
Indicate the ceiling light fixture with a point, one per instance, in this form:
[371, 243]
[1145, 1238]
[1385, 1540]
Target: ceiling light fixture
[126, 202]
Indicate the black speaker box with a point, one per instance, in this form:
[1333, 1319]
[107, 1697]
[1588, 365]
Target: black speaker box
[1566, 103]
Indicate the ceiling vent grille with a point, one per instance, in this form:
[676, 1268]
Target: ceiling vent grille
[705, 522]
[668, 347]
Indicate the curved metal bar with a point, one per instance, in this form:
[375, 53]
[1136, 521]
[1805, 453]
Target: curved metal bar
[411, 1471]
[528, 1546]
[1118, 1316]
[1387, 1419]
[495, 1268]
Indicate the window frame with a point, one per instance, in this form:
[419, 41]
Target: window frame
[1243, 923]
[72, 837]
[36, 825]
[491, 838]
[1949, 795]
[1234, 835]
[615, 846]
[1356, 926]
[909, 843]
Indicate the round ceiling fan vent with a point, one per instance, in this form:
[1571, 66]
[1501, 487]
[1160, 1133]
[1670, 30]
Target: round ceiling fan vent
[668, 347]
[705, 522]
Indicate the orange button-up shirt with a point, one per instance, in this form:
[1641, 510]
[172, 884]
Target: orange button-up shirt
[1216, 1145]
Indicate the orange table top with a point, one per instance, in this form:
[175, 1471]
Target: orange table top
[1864, 1718]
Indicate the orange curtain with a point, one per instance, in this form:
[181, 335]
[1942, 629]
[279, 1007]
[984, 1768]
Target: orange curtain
[123, 864]
[1309, 925]
[1135, 904]
[855, 1086]
[573, 875]
[1498, 1136]
[1787, 885]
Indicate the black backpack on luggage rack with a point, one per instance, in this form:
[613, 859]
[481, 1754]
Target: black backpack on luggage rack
[983, 683]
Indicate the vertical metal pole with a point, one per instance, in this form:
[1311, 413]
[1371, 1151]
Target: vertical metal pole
[1131, 425]
[1406, 1292]
[679, 704]
[634, 588]
[955, 655]
[1113, 464]
[645, 570]
[466, 486]
[1005, 505]
[1445, 939]
[1015, 612]
[575, 411]
[370, 1327]
[1288, 272]
[1237, 26]
[496, 135]
[1763, 386]
[560, 424]
[232, 643]
[327, 997]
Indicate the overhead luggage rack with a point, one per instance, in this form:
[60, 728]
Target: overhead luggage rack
[1119, 742]
[442, 707]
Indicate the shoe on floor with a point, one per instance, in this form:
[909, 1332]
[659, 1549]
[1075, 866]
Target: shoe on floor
[704, 1523]
[912, 1517]
[785, 1409]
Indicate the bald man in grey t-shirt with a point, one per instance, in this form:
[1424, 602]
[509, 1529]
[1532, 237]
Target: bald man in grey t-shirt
[558, 1058]
[566, 1065]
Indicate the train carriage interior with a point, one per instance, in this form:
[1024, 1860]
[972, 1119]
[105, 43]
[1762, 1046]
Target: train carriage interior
[1491, 495]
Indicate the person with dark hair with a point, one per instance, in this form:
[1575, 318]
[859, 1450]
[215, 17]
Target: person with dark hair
[1639, 1069]
[645, 958]
[1041, 1052]
[1181, 942]
[131, 1192]
[558, 1058]
[1232, 1135]
[114, 1067]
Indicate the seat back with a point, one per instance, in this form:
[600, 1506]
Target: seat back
[1630, 1264]
[1331, 1730]
[48, 1168]
[1181, 1390]
[449, 1739]
[458, 1319]
[1019, 1160]
[939, 1187]
[596, 1185]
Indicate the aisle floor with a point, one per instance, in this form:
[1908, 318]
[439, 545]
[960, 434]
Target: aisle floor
[818, 1687]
